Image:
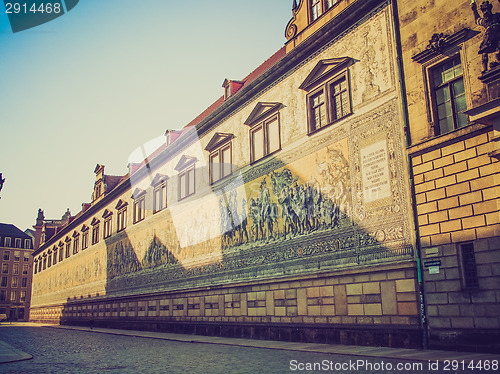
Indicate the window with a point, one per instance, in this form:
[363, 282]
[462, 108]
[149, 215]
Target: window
[469, 269]
[68, 248]
[27, 243]
[7, 242]
[26, 257]
[85, 238]
[95, 233]
[186, 183]
[318, 7]
[107, 227]
[49, 260]
[15, 269]
[39, 265]
[61, 251]
[139, 209]
[4, 282]
[26, 268]
[221, 163]
[329, 103]
[328, 92]
[122, 219]
[315, 9]
[15, 282]
[76, 243]
[13, 296]
[265, 138]
[54, 256]
[18, 243]
[44, 263]
[5, 268]
[23, 298]
[330, 3]
[121, 216]
[6, 255]
[448, 96]
[186, 179]
[3, 295]
[24, 282]
[160, 197]
[17, 256]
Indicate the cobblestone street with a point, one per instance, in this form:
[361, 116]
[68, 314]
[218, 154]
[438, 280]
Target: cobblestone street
[57, 350]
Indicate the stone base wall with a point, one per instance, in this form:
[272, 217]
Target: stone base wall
[377, 305]
[468, 318]
[457, 185]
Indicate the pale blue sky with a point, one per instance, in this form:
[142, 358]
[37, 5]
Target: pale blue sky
[94, 84]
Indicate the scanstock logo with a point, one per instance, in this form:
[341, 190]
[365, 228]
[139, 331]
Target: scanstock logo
[25, 14]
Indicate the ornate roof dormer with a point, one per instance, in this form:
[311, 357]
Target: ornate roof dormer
[311, 15]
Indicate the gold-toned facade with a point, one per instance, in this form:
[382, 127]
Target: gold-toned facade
[283, 212]
[453, 106]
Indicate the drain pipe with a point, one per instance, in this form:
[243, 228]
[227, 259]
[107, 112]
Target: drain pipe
[404, 108]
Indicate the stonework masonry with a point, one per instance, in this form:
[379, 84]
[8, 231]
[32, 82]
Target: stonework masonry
[455, 169]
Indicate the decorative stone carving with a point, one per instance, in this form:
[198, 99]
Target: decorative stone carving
[437, 42]
[491, 40]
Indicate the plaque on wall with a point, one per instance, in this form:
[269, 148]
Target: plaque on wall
[375, 172]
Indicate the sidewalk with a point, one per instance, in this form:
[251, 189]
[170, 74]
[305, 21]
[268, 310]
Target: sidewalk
[9, 354]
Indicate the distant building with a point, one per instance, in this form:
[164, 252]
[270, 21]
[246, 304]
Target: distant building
[16, 248]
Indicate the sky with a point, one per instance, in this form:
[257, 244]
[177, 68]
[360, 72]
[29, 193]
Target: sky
[105, 78]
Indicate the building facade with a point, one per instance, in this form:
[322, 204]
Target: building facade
[16, 248]
[454, 117]
[281, 212]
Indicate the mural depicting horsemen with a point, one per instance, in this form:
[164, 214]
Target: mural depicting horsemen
[286, 205]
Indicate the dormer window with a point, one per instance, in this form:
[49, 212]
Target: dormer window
[221, 156]
[231, 87]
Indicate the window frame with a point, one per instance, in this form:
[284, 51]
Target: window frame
[160, 190]
[186, 173]
[76, 243]
[121, 218]
[264, 126]
[61, 251]
[139, 209]
[95, 233]
[468, 266]
[8, 241]
[218, 153]
[107, 227]
[322, 7]
[67, 247]
[329, 102]
[432, 89]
